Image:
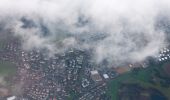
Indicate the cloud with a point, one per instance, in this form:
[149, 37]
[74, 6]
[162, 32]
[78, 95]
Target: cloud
[117, 30]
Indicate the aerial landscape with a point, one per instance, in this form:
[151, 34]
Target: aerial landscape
[84, 50]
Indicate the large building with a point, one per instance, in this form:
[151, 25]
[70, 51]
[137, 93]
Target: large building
[96, 76]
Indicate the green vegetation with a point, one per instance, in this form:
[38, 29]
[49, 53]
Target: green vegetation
[7, 68]
[143, 77]
[115, 84]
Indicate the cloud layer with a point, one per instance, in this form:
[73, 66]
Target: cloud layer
[117, 30]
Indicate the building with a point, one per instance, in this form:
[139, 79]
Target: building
[105, 76]
[96, 76]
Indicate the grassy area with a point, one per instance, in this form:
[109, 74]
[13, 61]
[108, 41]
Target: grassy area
[115, 84]
[7, 68]
[140, 77]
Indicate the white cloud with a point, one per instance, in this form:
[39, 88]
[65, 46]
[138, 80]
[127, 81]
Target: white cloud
[129, 25]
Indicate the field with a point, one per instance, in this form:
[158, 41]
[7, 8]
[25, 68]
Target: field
[151, 77]
[7, 68]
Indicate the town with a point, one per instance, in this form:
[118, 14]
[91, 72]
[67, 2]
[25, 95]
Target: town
[67, 76]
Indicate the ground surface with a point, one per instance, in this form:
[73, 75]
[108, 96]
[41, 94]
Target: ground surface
[153, 77]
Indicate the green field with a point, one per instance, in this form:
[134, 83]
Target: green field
[7, 68]
[141, 77]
